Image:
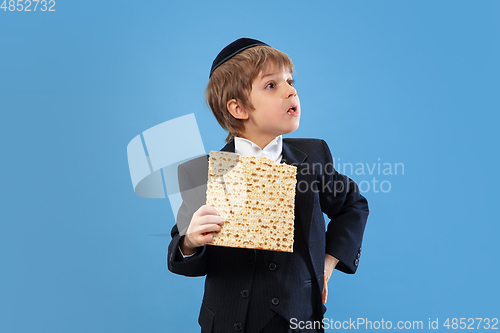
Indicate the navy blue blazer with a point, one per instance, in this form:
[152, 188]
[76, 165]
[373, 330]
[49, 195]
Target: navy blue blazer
[320, 189]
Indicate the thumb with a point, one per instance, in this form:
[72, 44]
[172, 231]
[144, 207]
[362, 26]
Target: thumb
[325, 292]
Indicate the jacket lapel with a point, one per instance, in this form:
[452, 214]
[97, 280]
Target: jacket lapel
[229, 147]
[303, 194]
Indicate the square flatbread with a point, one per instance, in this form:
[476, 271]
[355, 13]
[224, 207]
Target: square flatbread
[256, 198]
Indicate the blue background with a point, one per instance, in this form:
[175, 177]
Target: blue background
[404, 82]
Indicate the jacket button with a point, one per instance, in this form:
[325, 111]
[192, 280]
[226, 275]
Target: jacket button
[275, 301]
[272, 266]
[238, 327]
[359, 255]
[356, 262]
[245, 293]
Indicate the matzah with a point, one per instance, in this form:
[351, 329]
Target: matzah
[256, 198]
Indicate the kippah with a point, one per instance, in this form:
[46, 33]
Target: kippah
[233, 49]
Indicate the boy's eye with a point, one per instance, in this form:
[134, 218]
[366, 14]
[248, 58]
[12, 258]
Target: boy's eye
[290, 82]
[270, 85]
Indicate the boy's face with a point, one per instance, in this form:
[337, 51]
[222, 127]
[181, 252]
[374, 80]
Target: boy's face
[277, 106]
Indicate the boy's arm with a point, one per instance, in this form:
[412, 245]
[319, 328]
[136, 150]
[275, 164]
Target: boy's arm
[192, 191]
[194, 265]
[348, 212]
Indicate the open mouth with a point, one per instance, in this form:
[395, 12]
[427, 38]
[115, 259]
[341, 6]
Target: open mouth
[292, 111]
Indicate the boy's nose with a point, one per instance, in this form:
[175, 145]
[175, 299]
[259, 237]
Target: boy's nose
[291, 92]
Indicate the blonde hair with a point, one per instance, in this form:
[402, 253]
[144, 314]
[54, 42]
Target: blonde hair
[233, 80]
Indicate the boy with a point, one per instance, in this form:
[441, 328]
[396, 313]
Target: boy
[251, 93]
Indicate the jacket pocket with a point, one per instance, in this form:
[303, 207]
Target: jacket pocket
[206, 319]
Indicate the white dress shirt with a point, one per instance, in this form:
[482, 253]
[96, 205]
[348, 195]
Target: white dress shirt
[273, 150]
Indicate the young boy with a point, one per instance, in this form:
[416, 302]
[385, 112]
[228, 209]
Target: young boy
[251, 93]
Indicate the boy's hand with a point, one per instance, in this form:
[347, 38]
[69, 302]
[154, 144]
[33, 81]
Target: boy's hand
[204, 222]
[330, 263]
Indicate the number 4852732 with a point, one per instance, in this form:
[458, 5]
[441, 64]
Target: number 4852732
[28, 5]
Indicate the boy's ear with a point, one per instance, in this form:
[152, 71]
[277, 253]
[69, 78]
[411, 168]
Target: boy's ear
[236, 110]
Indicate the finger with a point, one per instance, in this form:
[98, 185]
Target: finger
[209, 219]
[203, 229]
[207, 238]
[206, 210]
[208, 228]
[195, 232]
[201, 238]
[325, 293]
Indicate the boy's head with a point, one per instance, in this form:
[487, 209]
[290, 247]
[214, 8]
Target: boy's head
[239, 66]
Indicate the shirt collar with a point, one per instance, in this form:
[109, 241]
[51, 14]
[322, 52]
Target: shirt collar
[273, 150]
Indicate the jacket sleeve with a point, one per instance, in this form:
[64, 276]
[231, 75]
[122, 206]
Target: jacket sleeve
[193, 197]
[348, 212]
